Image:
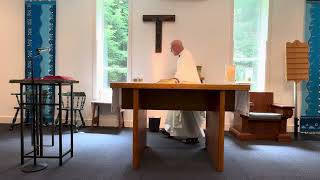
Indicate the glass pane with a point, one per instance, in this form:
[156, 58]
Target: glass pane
[250, 35]
[116, 41]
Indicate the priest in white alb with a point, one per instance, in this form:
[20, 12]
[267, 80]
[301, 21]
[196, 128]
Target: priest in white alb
[185, 125]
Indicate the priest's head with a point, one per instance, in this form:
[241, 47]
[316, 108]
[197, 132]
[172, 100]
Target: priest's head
[176, 47]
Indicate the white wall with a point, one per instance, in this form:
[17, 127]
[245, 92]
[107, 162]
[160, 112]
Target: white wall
[75, 47]
[205, 26]
[11, 53]
[286, 24]
[75, 44]
[201, 26]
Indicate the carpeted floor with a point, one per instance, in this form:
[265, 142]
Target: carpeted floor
[103, 154]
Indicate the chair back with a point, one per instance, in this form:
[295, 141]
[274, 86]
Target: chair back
[261, 101]
[27, 97]
[79, 99]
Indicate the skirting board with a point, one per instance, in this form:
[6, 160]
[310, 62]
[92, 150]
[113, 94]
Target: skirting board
[127, 123]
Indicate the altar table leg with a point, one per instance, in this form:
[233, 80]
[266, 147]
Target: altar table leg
[215, 133]
[139, 130]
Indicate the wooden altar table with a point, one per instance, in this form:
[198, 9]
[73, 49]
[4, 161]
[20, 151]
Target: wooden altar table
[215, 99]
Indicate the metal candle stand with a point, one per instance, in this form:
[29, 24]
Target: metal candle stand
[296, 119]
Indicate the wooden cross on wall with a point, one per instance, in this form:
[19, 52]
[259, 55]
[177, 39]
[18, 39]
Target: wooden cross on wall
[159, 19]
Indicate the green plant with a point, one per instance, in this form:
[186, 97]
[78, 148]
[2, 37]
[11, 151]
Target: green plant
[116, 40]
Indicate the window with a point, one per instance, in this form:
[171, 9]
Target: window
[250, 38]
[112, 45]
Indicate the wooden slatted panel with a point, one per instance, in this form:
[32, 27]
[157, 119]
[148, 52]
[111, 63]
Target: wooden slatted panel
[297, 55]
[297, 44]
[297, 77]
[297, 50]
[297, 61]
[297, 66]
[297, 71]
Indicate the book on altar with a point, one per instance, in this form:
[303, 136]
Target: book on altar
[167, 81]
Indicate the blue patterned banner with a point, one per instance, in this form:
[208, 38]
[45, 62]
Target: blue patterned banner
[310, 109]
[40, 32]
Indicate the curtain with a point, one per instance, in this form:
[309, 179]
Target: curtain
[310, 109]
[40, 32]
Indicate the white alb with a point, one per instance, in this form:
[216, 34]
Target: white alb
[185, 124]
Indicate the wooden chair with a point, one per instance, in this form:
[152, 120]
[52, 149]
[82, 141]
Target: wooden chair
[79, 99]
[18, 108]
[266, 120]
[26, 108]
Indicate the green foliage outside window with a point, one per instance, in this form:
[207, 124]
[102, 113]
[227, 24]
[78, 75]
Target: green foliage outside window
[249, 28]
[116, 41]
[246, 24]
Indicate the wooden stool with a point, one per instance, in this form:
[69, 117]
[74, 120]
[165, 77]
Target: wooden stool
[96, 116]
